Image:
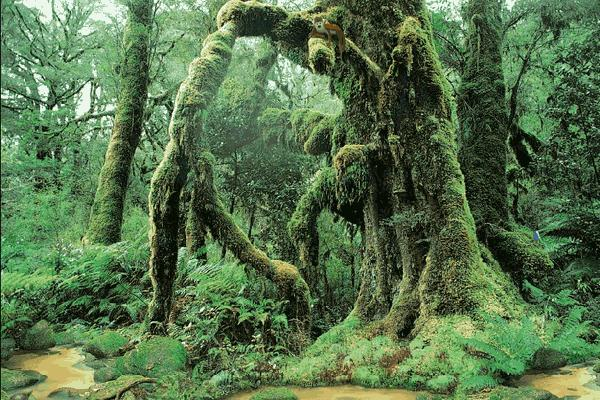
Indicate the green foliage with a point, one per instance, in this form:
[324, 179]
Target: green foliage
[509, 347]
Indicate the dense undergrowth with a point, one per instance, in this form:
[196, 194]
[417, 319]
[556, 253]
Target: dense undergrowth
[236, 337]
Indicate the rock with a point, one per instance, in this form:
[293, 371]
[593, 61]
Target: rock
[67, 394]
[13, 379]
[39, 337]
[107, 344]
[546, 358]
[153, 358]
[117, 387]
[7, 347]
[105, 374]
[22, 396]
[521, 393]
[279, 393]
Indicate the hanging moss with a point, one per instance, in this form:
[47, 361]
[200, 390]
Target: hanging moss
[352, 173]
[107, 211]
[321, 55]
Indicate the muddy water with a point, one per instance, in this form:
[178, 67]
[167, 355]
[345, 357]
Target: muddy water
[345, 392]
[62, 366]
[573, 380]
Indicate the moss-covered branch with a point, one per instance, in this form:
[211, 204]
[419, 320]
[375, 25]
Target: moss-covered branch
[290, 32]
[107, 211]
[209, 209]
[204, 77]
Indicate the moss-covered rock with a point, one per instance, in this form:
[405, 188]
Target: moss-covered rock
[522, 393]
[105, 374]
[280, 393]
[546, 358]
[16, 379]
[153, 358]
[7, 347]
[39, 337]
[106, 345]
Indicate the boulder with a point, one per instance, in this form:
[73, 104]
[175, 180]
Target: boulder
[546, 358]
[39, 337]
[154, 358]
[7, 347]
[105, 374]
[107, 344]
[13, 379]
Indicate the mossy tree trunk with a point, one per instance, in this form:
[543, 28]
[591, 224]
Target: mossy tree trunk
[394, 163]
[182, 157]
[394, 158]
[107, 211]
[485, 129]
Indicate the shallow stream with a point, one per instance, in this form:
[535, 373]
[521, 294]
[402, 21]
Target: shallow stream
[64, 367]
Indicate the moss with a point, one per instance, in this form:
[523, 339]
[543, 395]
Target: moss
[321, 55]
[304, 121]
[246, 14]
[105, 374]
[205, 75]
[345, 354]
[368, 376]
[153, 358]
[352, 173]
[39, 337]
[274, 124]
[519, 255]
[7, 345]
[16, 379]
[280, 393]
[107, 344]
[484, 116]
[290, 285]
[319, 140]
[303, 223]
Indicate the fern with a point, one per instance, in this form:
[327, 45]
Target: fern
[569, 339]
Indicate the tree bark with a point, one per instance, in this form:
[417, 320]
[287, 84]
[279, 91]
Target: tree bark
[107, 211]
